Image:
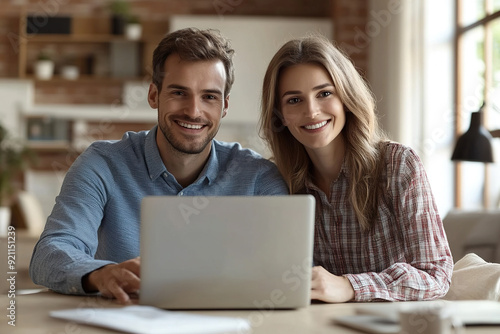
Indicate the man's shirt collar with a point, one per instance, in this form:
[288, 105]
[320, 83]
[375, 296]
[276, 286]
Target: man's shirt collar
[156, 167]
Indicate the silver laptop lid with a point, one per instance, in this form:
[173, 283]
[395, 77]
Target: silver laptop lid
[231, 252]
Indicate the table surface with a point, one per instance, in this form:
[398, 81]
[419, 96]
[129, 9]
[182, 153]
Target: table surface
[32, 309]
[32, 316]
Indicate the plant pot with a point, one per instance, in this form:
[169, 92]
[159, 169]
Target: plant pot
[4, 220]
[133, 31]
[44, 69]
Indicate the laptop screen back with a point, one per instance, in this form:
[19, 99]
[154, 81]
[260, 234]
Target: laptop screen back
[226, 252]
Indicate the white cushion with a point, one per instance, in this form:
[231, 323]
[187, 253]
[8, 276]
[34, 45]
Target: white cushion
[473, 278]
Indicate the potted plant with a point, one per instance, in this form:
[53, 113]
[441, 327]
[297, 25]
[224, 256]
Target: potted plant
[133, 29]
[14, 158]
[120, 12]
[44, 67]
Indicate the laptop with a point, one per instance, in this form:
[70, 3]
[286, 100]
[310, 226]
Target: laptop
[227, 252]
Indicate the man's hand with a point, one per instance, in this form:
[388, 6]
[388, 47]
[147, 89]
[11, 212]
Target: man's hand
[330, 288]
[115, 280]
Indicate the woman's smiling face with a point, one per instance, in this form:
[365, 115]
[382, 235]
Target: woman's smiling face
[311, 109]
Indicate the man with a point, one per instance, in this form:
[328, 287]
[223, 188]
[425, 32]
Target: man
[91, 239]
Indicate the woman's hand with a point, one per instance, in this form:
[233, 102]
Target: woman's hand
[330, 288]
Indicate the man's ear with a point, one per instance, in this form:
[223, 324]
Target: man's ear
[153, 96]
[226, 105]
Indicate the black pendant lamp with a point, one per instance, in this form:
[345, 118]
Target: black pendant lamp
[475, 144]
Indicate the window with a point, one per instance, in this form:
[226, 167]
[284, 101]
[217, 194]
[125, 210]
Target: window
[478, 81]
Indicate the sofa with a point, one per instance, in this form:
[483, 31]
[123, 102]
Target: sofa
[474, 232]
[474, 238]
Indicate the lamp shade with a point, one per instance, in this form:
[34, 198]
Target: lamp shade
[475, 144]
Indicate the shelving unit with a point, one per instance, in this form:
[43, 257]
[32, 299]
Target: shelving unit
[83, 79]
[98, 121]
[89, 38]
[91, 34]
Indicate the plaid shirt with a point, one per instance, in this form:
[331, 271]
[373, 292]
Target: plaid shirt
[405, 255]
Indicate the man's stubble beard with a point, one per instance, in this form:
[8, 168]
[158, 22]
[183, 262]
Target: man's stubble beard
[177, 144]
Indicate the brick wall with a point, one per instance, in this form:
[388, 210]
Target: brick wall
[349, 17]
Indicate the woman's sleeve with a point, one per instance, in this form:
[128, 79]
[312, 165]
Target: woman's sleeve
[426, 272]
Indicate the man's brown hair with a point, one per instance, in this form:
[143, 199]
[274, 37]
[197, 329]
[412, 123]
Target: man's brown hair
[193, 44]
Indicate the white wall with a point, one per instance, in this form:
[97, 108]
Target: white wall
[15, 94]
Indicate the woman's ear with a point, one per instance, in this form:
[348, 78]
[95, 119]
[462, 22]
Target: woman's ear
[153, 96]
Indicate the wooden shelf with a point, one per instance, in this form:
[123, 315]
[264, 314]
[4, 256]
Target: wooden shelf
[49, 145]
[85, 38]
[86, 30]
[82, 79]
[89, 32]
[73, 38]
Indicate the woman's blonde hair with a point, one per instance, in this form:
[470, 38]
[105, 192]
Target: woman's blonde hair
[361, 131]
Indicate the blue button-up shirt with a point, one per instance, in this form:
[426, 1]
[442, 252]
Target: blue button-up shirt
[96, 218]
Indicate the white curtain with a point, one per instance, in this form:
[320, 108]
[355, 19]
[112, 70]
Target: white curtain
[411, 74]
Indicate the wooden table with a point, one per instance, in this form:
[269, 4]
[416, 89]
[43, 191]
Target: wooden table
[32, 310]
[32, 316]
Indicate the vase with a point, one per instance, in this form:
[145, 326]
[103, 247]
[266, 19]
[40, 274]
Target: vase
[44, 69]
[133, 31]
[4, 220]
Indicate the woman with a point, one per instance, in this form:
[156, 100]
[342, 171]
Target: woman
[378, 235]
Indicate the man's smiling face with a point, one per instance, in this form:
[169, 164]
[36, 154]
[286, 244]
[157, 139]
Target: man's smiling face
[191, 103]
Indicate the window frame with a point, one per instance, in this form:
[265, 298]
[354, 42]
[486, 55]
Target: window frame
[460, 31]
